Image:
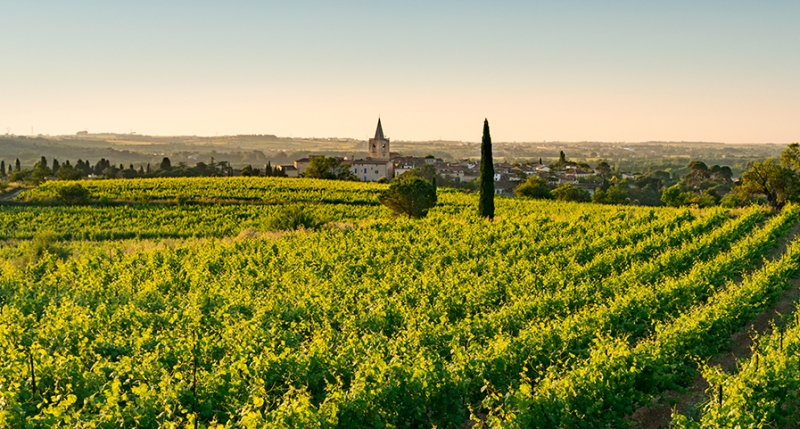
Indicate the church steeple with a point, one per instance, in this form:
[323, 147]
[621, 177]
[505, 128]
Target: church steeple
[379, 146]
[379, 131]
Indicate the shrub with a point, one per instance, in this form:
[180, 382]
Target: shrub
[534, 187]
[291, 218]
[43, 243]
[73, 194]
[409, 195]
[569, 192]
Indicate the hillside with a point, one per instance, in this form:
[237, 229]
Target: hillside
[179, 303]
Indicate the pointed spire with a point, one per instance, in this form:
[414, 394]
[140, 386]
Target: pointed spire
[379, 131]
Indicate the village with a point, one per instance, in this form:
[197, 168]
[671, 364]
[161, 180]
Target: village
[382, 165]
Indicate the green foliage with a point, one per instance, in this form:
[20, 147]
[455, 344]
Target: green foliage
[40, 172]
[486, 178]
[616, 194]
[570, 192]
[776, 182]
[555, 315]
[535, 187]
[42, 244]
[674, 197]
[68, 172]
[294, 217]
[410, 195]
[19, 176]
[329, 168]
[426, 171]
[603, 168]
[266, 189]
[73, 194]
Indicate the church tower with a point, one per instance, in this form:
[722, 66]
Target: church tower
[379, 146]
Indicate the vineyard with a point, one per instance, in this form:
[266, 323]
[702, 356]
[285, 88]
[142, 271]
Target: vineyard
[157, 309]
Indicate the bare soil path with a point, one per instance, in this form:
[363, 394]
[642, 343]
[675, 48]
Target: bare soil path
[658, 413]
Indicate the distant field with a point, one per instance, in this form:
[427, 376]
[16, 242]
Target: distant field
[146, 313]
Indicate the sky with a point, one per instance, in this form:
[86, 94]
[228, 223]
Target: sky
[613, 71]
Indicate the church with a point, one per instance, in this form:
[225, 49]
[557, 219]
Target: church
[378, 164]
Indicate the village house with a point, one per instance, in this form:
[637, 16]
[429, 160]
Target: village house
[406, 163]
[288, 169]
[302, 164]
[370, 170]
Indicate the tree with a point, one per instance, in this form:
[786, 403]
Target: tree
[68, 172]
[19, 175]
[40, 171]
[73, 194]
[165, 165]
[790, 157]
[486, 199]
[776, 182]
[570, 192]
[616, 194]
[128, 173]
[17, 165]
[409, 195]
[425, 171]
[603, 168]
[328, 167]
[674, 197]
[534, 187]
[2, 168]
[56, 166]
[247, 171]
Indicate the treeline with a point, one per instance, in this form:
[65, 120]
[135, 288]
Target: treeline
[773, 181]
[104, 169]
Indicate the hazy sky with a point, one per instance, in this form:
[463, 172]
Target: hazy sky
[560, 70]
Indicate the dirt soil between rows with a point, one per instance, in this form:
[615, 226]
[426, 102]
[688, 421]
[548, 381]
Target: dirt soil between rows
[658, 413]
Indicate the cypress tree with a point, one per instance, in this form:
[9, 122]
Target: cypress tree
[17, 165]
[2, 168]
[486, 201]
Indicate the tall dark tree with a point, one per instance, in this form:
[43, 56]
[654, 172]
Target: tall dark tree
[2, 168]
[165, 164]
[17, 166]
[56, 166]
[486, 201]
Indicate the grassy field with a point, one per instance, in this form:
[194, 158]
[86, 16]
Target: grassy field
[182, 303]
